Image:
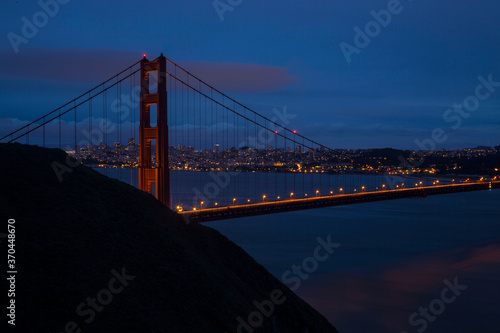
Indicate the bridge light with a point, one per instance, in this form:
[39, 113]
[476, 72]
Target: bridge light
[264, 198]
[216, 203]
[248, 200]
[341, 189]
[278, 197]
[331, 192]
[294, 132]
[201, 204]
[275, 132]
[144, 55]
[234, 199]
[194, 208]
[362, 188]
[291, 195]
[306, 194]
[317, 192]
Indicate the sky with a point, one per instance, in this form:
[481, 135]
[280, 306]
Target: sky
[394, 84]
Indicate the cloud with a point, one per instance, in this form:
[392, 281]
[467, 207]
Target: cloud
[68, 65]
[241, 77]
[77, 66]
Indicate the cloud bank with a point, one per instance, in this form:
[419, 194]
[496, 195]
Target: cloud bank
[77, 66]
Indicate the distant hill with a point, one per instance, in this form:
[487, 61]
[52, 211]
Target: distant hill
[97, 255]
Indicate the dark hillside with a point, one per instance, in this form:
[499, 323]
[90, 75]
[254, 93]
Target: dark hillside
[91, 237]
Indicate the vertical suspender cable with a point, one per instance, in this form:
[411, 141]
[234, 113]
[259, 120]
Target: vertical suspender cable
[90, 122]
[235, 186]
[43, 132]
[74, 107]
[60, 128]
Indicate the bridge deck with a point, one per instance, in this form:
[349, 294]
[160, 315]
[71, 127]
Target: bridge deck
[271, 207]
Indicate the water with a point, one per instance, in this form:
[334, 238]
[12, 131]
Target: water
[190, 188]
[392, 260]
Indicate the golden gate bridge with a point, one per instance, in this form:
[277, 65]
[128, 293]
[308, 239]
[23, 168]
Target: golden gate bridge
[209, 157]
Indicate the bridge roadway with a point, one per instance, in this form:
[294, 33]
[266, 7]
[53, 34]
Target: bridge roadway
[288, 205]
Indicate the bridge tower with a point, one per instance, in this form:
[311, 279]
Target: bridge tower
[154, 173]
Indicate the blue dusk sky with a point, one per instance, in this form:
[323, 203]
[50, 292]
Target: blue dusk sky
[357, 74]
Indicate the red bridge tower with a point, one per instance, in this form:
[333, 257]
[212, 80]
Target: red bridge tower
[150, 173]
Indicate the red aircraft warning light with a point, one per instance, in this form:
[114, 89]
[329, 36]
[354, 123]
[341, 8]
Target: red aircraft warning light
[294, 132]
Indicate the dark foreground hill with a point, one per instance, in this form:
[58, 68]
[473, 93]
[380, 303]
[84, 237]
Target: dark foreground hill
[97, 255]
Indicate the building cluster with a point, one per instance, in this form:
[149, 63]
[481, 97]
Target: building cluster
[296, 159]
